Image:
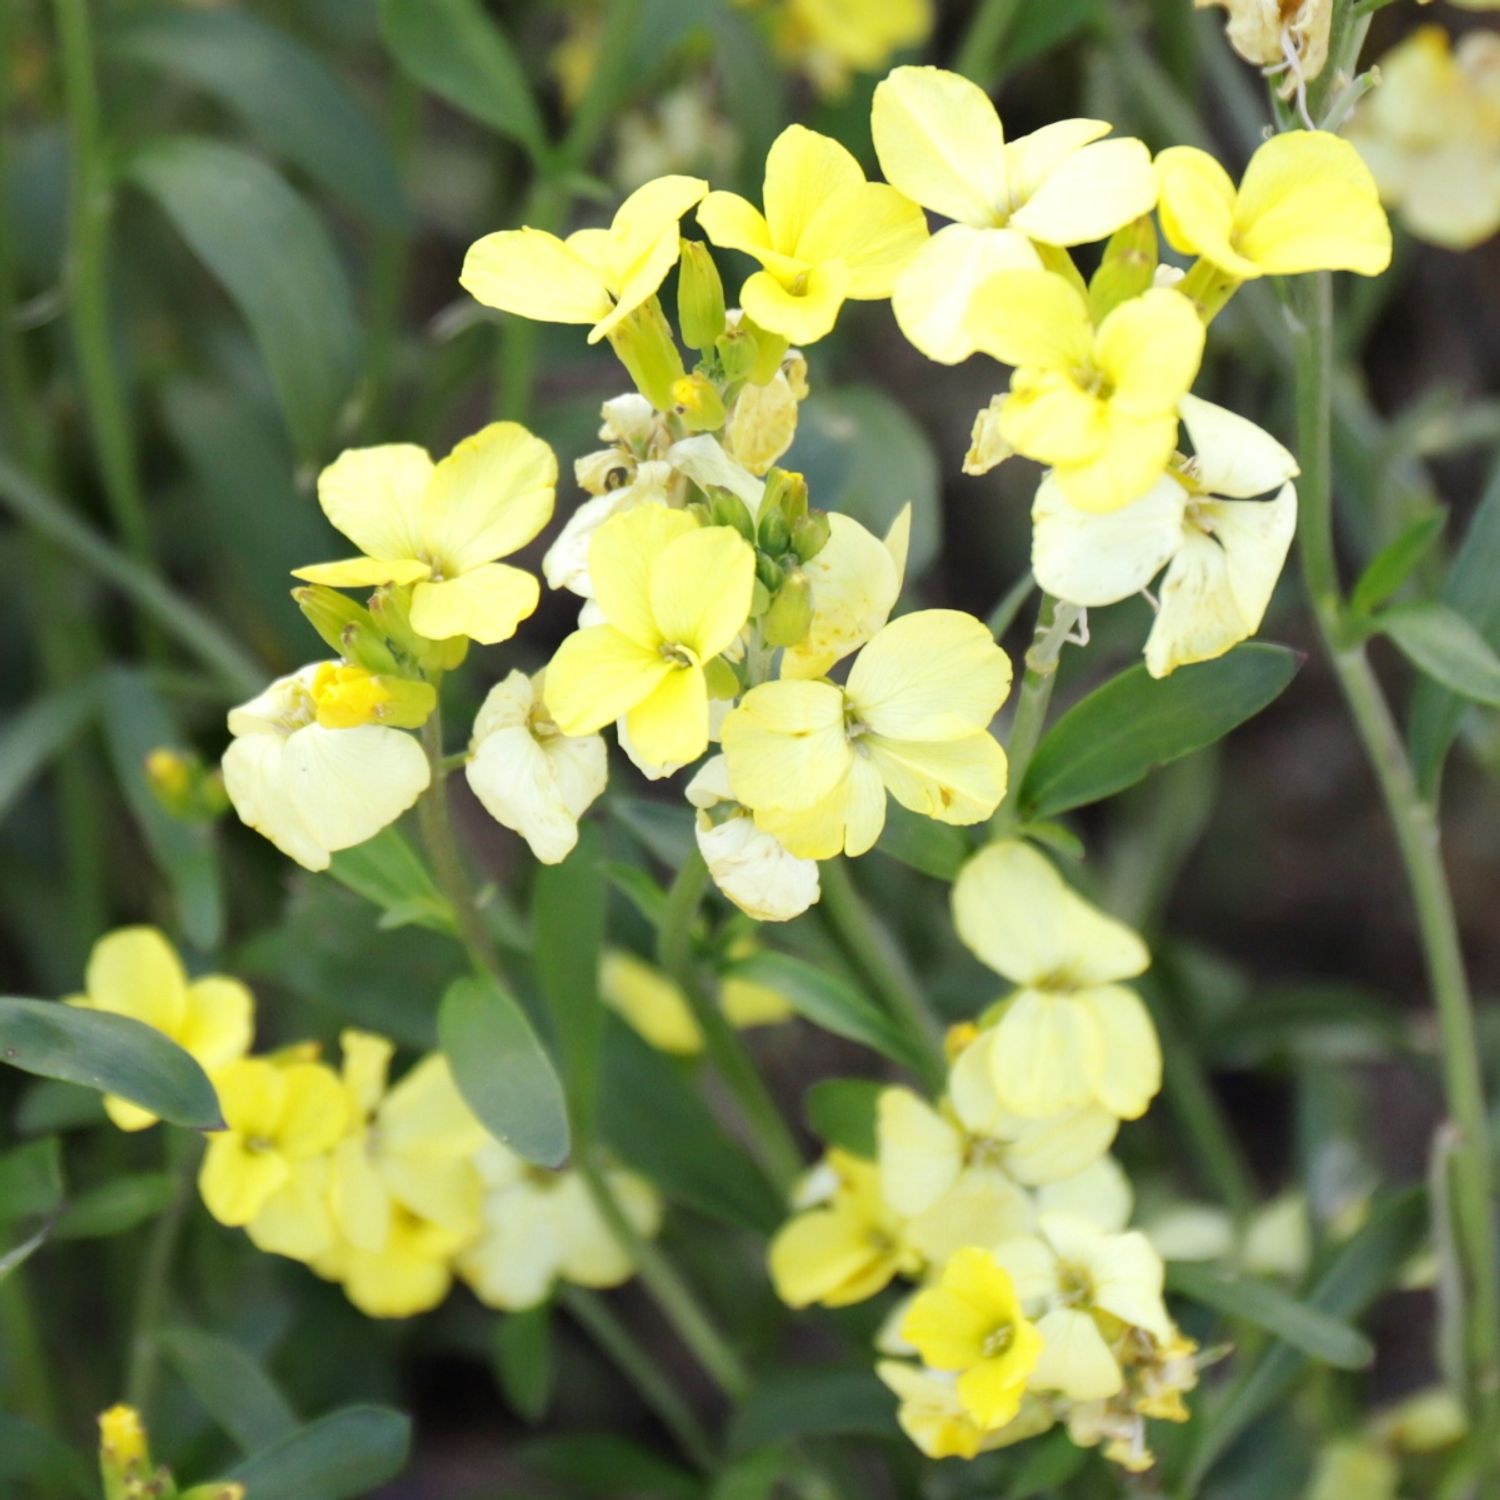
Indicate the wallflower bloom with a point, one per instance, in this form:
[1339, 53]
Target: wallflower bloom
[1306, 203]
[826, 235]
[815, 761]
[595, 276]
[933, 1417]
[1293, 33]
[1223, 550]
[941, 143]
[1070, 1035]
[675, 595]
[135, 972]
[442, 527]
[530, 776]
[829, 39]
[410, 1273]
[844, 1249]
[310, 789]
[971, 1322]
[1099, 406]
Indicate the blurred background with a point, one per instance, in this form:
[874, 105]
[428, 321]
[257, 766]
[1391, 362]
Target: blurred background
[230, 237]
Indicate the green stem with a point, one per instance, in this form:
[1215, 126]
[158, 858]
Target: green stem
[633, 1361]
[878, 958]
[979, 51]
[27, 1364]
[775, 1143]
[1003, 616]
[1414, 822]
[673, 1295]
[89, 211]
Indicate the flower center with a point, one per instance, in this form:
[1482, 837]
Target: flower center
[679, 655]
[1075, 1285]
[998, 1341]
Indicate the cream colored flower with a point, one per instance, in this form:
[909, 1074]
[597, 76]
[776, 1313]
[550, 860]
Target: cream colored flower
[1285, 34]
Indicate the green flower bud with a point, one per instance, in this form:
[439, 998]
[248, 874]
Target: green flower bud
[810, 534]
[723, 680]
[643, 343]
[700, 297]
[727, 509]
[760, 600]
[786, 492]
[346, 626]
[768, 571]
[1127, 269]
[790, 615]
[737, 353]
[775, 534]
[770, 349]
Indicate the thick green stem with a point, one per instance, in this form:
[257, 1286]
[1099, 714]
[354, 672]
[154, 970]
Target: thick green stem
[1415, 824]
[774, 1141]
[598, 1319]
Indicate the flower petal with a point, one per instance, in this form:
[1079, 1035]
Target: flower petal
[135, 971]
[803, 171]
[701, 585]
[487, 604]
[784, 744]
[1149, 349]
[534, 274]
[347, 784]
[1075, 1359]
[219, 1022]
[1089, 194]
[803, 316]
[374, 496]
[1235, 458]
[1130, 1071]
[960, 781]
[872, 229]
[1196, 206]
[669, 726]
[622, 558]
[598, 675]
[1031, 318]
[920, 1153]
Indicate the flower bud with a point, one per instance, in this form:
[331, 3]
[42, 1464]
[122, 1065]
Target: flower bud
[727, 509]
[723, 680]
[786, 492]
[760, 600]
[346, 697]
[346, 626]
[643, 343]
[810, 534]
[390, 609]
[124, 1456]
[768, 571]
[774, 535]
[1127, 269]
[184, 786]
[790, 614]
[700, 297]
[770, 349]
[216, 1489]
[698, 403]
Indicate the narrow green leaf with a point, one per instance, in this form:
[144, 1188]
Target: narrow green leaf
[1050, 1463]
[50, 1106]
[115, 1206]
[503, 1070]
[568, 906]
[41, 731]
[1038, 29]
[337, 1457]
[843, 1111]
[1124, 730]
[607, 1465]
[753, 1477]
[136, 722]
[270, 251]
[390, 874]
[1393, 564]
[231, 1387]
[281, 90]
[638, 888]
[31, 1192]
[936, 849]
[814, 1402]
[525, 1362]
[1302, 1326]
[454, 48]
[113, 1054]
[30, 1453]
[1438, 640]
[829, 1002]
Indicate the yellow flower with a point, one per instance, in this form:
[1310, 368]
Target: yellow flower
[442, 527]
[411, 1272]
[1070, 1035]
[311, 789]
[595, 276]
[1306, 203]
[1099, 406]
[123, 1448]
[842, 1250]
[829, 39]
[826, 235]
[1354, 1469]
[970, 1321]
[814, 761]
[933, 1417]
[135, 972]
[268, 1171]
[941, 143]
[1271, 32]
[529, 775]
[1223, 549]
[675, 595]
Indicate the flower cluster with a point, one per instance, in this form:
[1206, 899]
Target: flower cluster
[386, 1188]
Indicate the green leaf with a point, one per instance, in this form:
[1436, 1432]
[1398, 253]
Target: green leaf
[1050, 1463]
[41, 731]
[524, 1361]
[31, 1192]
[337, 1457]
[829, 1002]
[278, 88]
[1134, 723]
[30, 1453]
[390, 874]
[936, 849]
[1438, 640]
[1038, 29]
[1304, 1327]
[115, 1206]
[231, 1387]
[843, 1112]
[814, 1402]
[638, 888]
[271, 253]
[454, 48]
[49, 1106]
[503, 1070]
[568, 906]
[753, 1477]
[113, 1054]
[136, 722]
[1393, 564]
[609, 1466]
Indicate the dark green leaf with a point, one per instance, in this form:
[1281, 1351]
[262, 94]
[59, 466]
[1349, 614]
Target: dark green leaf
[31, 1190]
[829, 1002]
[677, 1142]
[524, 1361]
[113, 1054]
[609, 1466]
[337, 1457]
[662, 829]
[1134, 723]
[1038, 29]
[271, 253]
[390, 874]
[1050, 1463]
[1331, 1022]
[231, 1387]
[936, 849]
[278, 88]
[455, 49]
[817, 1402]
[31, 1454]
[503, 1070]
[568, 905]
[41, 731]
[753, 1477]
[842, 1112]
[638, 888]
[136, 722]
[1438, 640]
[1267, 1306]
[49, 1106]
[115, 1206]
[1393, 564]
